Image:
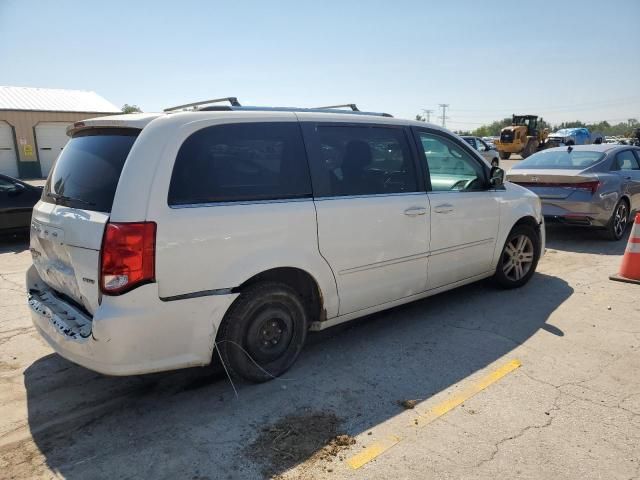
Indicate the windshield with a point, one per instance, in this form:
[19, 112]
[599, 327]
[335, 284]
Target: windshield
[561, 160]
[87, 171]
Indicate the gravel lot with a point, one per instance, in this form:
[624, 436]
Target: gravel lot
[572, 410]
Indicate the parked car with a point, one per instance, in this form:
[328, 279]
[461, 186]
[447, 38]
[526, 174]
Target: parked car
[570, 136]
[487, 150]
[16, 202]
[589, 185]
[161, 237]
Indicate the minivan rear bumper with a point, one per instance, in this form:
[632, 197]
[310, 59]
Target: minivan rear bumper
[129, 334]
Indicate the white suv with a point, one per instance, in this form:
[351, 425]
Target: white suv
[160, 237]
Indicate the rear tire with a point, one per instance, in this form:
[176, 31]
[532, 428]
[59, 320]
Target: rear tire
[266, 325]
[505, 155]
[519, 257]
[619, 221]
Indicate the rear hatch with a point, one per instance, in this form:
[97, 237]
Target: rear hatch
[68, 222]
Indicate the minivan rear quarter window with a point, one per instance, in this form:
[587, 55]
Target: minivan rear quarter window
[241, 162]
[87, 171]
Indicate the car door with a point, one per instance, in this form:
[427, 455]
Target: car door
[628, 168]
[372, 211]
[15, 208]
[464, 210]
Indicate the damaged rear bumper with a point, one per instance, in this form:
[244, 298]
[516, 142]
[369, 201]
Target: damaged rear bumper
[130, 334]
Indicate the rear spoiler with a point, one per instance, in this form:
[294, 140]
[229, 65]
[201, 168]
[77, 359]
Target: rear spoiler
[138, 121]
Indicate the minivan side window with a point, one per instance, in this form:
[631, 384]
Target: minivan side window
[450, 167]
[241, 162]
[362, 160]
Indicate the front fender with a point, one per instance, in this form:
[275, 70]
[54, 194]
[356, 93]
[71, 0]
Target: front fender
[516, 203]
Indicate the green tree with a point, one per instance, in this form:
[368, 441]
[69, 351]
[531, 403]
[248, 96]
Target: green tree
[493, 129]
[126, 108]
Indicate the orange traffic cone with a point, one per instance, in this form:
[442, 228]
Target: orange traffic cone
[630, 268]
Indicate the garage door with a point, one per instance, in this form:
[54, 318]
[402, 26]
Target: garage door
[51, 137]
[8, 161]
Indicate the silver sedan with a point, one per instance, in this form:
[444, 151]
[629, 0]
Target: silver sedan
[487, 150]
[588, 185]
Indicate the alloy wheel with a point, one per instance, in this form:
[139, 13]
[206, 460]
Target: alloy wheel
[620, 218]
[518, 257]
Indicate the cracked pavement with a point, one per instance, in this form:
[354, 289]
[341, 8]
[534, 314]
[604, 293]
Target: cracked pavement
[571, 411]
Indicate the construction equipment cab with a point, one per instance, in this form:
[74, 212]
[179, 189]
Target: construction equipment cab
[522, 137]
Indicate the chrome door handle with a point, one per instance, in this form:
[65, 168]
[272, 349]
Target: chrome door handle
[415, 211]
[444, 208]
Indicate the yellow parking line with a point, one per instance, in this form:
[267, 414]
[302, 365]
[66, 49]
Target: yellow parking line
[372, 451]
[468, 392]
[378, 448]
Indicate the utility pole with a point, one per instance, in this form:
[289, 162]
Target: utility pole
[428, 114]
[444, 117]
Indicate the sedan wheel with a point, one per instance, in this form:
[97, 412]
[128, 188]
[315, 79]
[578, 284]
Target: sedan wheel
[619, 221]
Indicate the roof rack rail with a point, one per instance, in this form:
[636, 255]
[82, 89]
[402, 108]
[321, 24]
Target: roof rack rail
[232, 100]
[225, 108]
[352, 106]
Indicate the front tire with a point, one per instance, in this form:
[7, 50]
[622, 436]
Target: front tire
[495, 162]
[529, 149]
[263, 332]
[505, 155]
[618, 222]
[519, 257]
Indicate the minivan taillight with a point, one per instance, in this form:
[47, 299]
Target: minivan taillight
[127, 259]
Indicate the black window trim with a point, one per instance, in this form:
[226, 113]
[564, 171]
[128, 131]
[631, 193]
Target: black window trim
[311, 139]
[307, 197]
[463, 145]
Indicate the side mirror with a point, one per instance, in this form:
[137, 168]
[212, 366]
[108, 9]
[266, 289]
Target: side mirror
[496, 177]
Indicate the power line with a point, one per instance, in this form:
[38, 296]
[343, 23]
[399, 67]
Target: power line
[428, 114]
[444, 117]
[599, 103]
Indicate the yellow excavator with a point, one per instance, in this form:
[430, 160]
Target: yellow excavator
[522, 137]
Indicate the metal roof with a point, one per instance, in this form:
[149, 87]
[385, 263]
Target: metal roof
[53, 100]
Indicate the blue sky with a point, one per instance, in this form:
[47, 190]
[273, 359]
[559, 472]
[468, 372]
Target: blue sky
[562, 60]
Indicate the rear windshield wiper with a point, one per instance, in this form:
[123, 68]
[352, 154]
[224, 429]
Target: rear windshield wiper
[59, 196]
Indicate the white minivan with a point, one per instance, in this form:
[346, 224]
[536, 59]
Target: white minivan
[162, 237]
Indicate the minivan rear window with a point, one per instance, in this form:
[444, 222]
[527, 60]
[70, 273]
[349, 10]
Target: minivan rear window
[87, 171]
